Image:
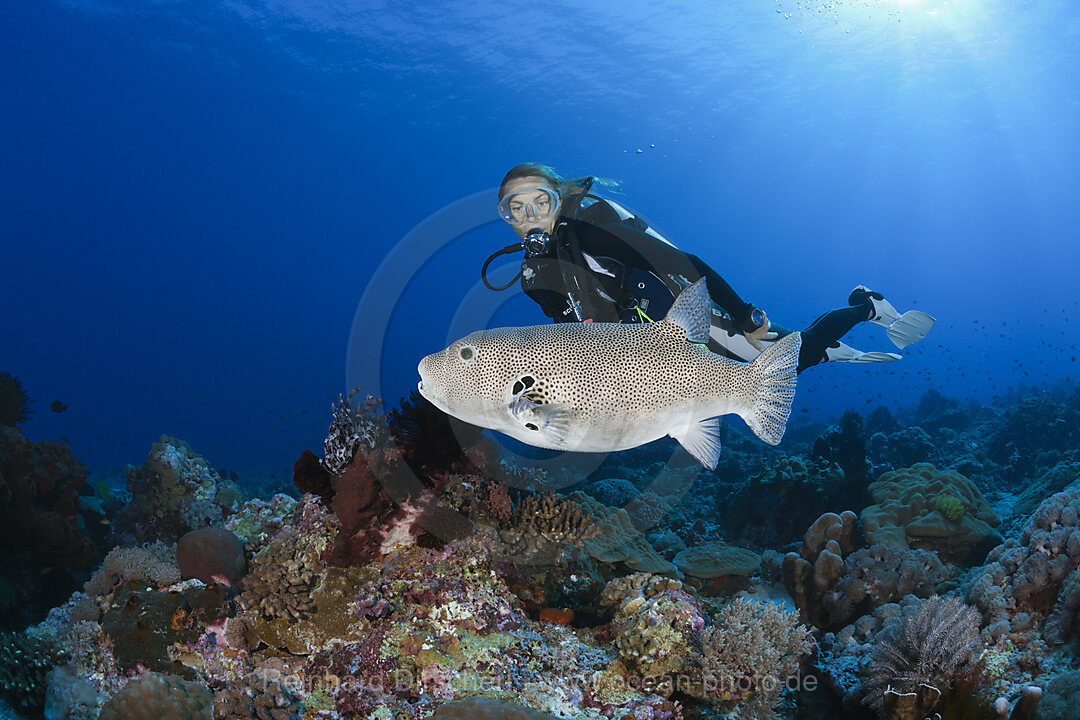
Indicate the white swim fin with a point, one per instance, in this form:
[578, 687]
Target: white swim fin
[903, 330]
[846, 353]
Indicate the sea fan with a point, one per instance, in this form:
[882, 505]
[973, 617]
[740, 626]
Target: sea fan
[14, 403]
[931, 647]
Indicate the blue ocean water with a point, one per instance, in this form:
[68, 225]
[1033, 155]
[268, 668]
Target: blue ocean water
[200, 202]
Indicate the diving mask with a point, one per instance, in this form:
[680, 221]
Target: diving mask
[529, 205]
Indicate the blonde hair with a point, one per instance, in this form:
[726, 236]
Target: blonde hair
[565, 187]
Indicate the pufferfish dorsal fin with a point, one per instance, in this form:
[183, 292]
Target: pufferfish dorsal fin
[692, 312]
[548, 421]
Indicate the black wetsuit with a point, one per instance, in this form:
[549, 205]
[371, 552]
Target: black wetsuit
[603, 268]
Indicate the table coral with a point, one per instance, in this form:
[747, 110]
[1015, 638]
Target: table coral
[905, 514]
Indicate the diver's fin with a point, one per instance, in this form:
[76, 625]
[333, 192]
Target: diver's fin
[549, 421]
[846, 353]
[909, 328]
[702, 440]
[774, 372]
[904, 329]
[692, 311]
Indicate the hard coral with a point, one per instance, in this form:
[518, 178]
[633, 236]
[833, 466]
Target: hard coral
[485, 709]
[254, 698]
[618, 539]
[1027, 574]
[25, 659]
[831, 583]
[211, 555]
[14, 402]
[905, 514]
[162, 697]
[45, 544]
[786, 496]
[173, 492]
[543, 526]
[716, 559]
[281, 578]
[655, 635]
[750, 650]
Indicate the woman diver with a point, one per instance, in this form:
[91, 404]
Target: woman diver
[588, 259]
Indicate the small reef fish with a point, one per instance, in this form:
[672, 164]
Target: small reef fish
[602, 387]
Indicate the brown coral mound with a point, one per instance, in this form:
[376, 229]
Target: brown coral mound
[14, 403]
[160, 697]
[905, 514]
[211, 554]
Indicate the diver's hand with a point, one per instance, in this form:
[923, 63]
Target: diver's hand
[762, 333]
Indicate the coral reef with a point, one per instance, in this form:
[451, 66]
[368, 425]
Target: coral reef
[543, 526]
[831, 582]
[46, 545]
[717, 560]
[25, 660]
[906, 514]
[254, 698]
[416, 573]
[153, 563]
[1032, 573]
[173, 492]
[787, 494]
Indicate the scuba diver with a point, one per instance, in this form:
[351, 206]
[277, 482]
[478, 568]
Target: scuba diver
[589, 259]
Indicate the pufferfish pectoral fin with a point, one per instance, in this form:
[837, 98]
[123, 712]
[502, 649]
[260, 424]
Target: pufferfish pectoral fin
[702, 440]
[548, 421]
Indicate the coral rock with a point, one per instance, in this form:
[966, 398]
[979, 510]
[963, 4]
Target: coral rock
[905, 514]
[211, 555]
[716, 559]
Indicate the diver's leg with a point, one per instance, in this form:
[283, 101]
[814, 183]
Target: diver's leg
[826, 331]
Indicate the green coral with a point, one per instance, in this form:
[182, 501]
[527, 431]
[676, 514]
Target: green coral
[950, 506]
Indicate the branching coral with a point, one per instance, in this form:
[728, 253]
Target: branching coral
[153, 563]
[929, 649]
[750, 650]
[25, 659]
[280, 579]
[254, 698]
[543, 526]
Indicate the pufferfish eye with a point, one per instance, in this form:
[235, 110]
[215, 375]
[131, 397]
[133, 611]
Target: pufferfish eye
[466, 353]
